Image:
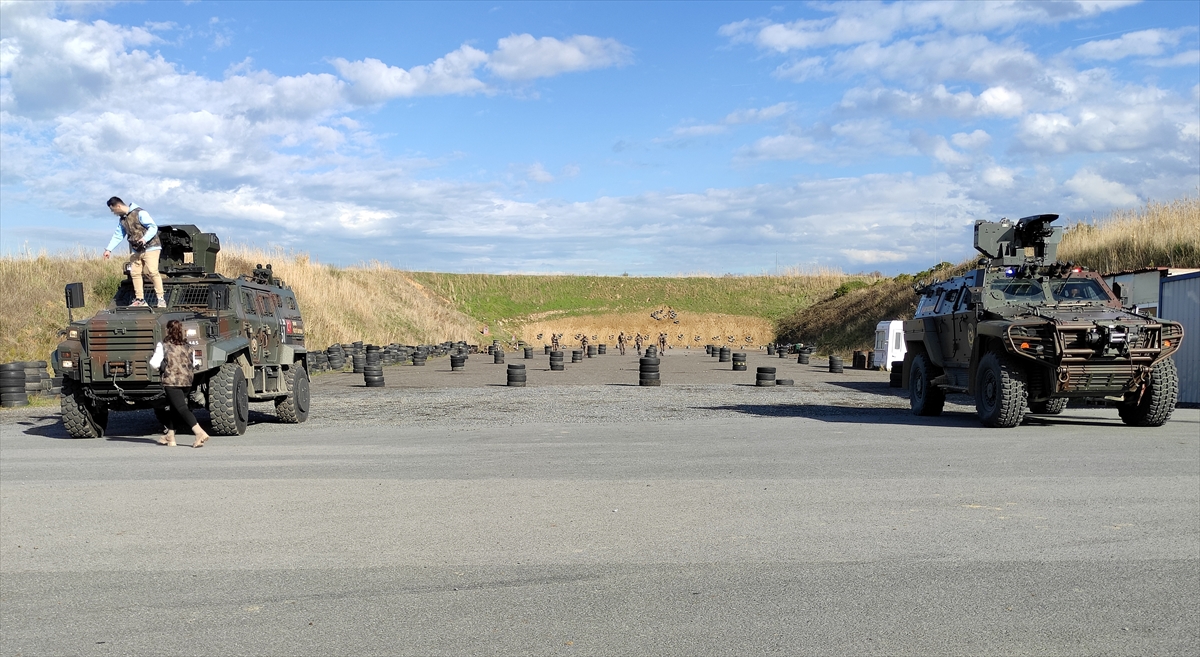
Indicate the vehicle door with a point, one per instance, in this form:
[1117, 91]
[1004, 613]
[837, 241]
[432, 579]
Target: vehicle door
[268, 329]
[945, 324]
[964, 318]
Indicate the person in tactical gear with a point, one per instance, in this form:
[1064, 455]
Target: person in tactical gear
[621, 343]
[136, 225]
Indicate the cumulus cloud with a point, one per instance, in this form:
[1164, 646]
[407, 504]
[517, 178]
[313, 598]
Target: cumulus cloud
[1142, 43]
[372, 81]
[861, 22]
[523, 57]
[537, 173]
[1093, 190]
[760, 115]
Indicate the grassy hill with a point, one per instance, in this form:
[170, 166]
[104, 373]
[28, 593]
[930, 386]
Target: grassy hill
[1157, 234]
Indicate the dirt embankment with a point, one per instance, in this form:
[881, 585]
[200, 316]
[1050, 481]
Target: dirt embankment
[683, 329]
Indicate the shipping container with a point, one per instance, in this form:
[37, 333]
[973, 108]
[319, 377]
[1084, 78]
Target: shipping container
[1179, 300]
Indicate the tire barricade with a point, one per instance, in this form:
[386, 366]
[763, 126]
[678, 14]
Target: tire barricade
[516, 376]
[739, 362]
[648, 374]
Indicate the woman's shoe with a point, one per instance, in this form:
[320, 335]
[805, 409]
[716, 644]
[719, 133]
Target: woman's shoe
[168, 440]
[200, 440]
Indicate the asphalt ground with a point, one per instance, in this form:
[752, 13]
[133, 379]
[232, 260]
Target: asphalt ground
[449, 514]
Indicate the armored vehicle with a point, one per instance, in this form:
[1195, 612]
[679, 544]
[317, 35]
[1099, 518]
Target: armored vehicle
[246, 334]
[1026, 333]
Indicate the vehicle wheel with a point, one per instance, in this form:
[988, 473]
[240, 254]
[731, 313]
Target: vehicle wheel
[1048, 407]
[80, 416]
[229, 401]
[1158, 401]
[293, 409]
[925, 398]
[1001, 392]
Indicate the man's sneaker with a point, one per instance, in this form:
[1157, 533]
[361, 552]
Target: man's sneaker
[162, 303]
[138, 302]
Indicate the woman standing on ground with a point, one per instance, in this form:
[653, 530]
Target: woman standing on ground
[175, 358]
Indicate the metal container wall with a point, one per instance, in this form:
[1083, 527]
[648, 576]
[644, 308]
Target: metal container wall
[1179, 300]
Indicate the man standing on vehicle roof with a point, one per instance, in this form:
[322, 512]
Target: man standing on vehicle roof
[136, 225]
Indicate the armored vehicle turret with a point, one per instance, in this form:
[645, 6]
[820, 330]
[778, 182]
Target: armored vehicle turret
[1025, 333]
[246, 334]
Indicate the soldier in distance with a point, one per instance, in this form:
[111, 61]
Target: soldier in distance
[662, 344]
[621, 343]
[136, 225]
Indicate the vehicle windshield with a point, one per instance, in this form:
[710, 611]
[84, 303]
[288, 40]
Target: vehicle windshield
[1026, 290]
[1077, 289]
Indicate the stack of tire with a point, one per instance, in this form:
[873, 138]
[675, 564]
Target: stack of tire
[770, 350]
[319, 362]
[576, 355]
[723, 355]
[836, 365]
[528, 353]
[592, 351]
[648, 374]
[359, 361]
[739, 363]
[556, 361]
[498, 355]
[516, 376]
[458, 362]
[547, 348]
[12, 385]
[802, 358]
[858, 361]
[419, 357]
[372, 367]
[896, 376]
[37, 380]
[602, 350]
[336, 357]
[765, 377]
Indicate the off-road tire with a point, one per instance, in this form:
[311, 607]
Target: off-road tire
[229, 401]
[80, 417]
[293, 409]
[924, 397]
[1158, 402]
[1049, 406]
[1001, 391]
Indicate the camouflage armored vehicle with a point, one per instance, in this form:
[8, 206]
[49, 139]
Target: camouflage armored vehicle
[246, 333]
[1026, 333]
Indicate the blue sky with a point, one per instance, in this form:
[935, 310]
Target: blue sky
[648, 138]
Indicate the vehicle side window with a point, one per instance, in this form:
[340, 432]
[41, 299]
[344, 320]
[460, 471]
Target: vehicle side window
[291, 303]
[947, 305]
[898, 341]
[928, 303]
[265, 305]
[248, 302]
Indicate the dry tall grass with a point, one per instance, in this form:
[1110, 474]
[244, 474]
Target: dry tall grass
[692, 329]
[1157, 234]
[370, 302]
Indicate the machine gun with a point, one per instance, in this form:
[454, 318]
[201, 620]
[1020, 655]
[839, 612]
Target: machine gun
[187, 251]
[1032, 240]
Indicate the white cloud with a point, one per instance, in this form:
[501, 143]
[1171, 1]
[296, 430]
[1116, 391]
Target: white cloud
[972, 141]
[873, 256]
[523, 57]
[862, 22]
[373, 81]
[1093, 190]
[537, 173]
[1143, 43]
[998, 176]
[936, 101]
[1187, 58]
[759, 115]
[801, 70]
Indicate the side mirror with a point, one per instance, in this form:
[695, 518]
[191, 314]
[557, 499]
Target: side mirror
[974, 297]
[74, 294]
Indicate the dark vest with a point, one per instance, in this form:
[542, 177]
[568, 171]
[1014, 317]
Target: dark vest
[134, 230]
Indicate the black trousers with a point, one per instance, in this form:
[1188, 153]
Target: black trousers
[179, 416]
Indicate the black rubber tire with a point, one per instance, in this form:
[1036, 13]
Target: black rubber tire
[1001, 391]
[785, 382]
[924, 398]
[293, 409]
[12, 367]
[13, 396]
[14, 404]
[14, 390]
[229, 401]
[1158, 402]
[1048, 407]
[79, 416]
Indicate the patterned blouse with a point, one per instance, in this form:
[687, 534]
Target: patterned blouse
[177, 365]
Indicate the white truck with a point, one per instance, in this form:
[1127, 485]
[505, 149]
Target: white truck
[889, 344]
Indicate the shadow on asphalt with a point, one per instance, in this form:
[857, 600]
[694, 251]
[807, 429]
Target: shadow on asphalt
[128, 426]
[847, 414]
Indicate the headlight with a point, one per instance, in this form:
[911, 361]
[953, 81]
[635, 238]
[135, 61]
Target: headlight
[191, 333]
[73, 334]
